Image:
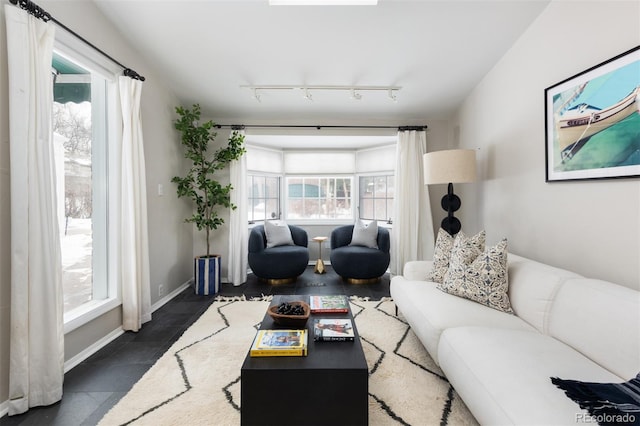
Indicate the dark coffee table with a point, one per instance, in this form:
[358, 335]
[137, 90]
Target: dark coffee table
[327, 387]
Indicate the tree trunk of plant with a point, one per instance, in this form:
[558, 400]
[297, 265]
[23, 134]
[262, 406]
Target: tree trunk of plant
[207, 242]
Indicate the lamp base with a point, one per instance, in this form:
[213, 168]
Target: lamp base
[450, 203]
[451, 224]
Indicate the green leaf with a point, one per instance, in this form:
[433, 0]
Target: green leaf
[200, 184]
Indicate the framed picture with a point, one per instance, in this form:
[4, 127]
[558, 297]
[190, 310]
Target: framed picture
[593, 122]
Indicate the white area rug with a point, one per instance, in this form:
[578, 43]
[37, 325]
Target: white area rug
[197, 381]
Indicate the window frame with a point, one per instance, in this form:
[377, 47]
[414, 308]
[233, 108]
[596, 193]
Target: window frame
[108, 131]
[255, 174]
[375, 175]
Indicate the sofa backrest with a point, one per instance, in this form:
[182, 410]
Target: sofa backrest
[532, 287]
[602, 321]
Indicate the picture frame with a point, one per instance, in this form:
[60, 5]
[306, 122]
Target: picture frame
[592, 122]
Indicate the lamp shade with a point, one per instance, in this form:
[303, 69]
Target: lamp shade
[449, 166]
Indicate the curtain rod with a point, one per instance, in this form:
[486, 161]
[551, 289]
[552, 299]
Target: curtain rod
[40, 13]
[284, 126]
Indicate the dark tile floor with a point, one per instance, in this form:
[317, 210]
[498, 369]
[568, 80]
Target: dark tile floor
[98, 383]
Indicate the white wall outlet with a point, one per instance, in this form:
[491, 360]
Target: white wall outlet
[160, 290]
[160, 190]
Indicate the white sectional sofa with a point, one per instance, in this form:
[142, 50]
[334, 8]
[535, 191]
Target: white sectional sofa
[500, 364]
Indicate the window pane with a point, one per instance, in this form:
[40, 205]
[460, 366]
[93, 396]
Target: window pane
[273, 208]
[366, 209]
[343, 209]
[381, 209]
[264, 197]
[319, 198]
[73, 136]
[272, 187]
[376, 197]
[391, 188]
[366, 187]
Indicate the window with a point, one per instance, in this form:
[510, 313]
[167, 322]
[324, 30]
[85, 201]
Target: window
[319, 198]
[85, 121]
[264, 197]
[376, 197]
[320, 185]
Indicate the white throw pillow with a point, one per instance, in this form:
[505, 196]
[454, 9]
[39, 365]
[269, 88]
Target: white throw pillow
[278, 234]
[365, 235]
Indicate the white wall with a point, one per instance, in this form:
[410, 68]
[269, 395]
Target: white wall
[591, 227]
[170, 240]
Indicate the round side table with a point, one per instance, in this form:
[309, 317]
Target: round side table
[319, 269]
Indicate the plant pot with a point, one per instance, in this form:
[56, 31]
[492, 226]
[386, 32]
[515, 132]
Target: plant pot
[207, 274]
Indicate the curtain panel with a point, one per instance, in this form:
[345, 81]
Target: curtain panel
[134, 237]
[36, 353]
[238, 223]
[412, 237]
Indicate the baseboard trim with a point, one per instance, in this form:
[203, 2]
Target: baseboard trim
[74, 361]
[166, 299]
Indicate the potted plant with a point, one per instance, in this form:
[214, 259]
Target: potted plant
[199, 185]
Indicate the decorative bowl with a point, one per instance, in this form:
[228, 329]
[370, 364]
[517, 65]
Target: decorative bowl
[294, 321]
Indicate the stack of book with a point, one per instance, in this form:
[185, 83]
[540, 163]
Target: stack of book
[279, 343]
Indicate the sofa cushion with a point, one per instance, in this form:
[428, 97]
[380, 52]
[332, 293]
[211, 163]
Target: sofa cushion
[481, 277]
[532, 287]
[429, 312]
[416, 270]
[278, 234]
[365, 235]
[602, 321]
[503, 375]
[443, 248]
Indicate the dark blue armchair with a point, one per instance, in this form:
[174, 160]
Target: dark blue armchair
[280, 264]
[359, 264]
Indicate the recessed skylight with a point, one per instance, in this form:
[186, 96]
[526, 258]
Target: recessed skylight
[323, 2]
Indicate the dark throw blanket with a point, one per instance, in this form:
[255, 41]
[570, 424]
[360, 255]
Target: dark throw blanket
[607, 403]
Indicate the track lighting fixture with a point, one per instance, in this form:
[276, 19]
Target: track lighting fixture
[355, 92]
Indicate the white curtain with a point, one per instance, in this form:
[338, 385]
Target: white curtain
[36, 353]
[238, 224]
[412, 237]
[134, 238]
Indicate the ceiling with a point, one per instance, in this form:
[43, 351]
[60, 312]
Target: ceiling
[436, 51]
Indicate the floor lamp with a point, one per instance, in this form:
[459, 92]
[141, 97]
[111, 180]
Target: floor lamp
[450, 166]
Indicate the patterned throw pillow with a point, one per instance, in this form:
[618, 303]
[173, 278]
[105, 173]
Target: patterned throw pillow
[482, 279]
[443, 248]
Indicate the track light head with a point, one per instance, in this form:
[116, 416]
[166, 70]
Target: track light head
[307, 95]
[256, 96]
[354, 95]
[392, 96]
